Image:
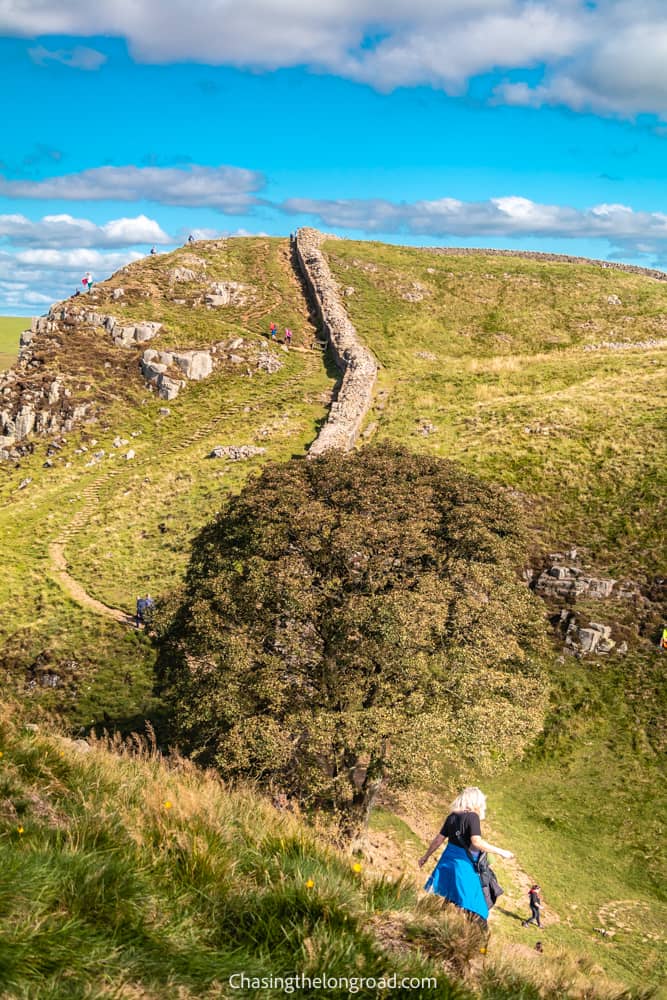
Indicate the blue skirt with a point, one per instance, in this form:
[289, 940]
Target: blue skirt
[454, 878]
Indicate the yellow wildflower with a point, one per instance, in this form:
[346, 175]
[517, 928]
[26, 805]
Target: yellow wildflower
[309, 884]
[168, 804]
[356, 867]
[19, 829]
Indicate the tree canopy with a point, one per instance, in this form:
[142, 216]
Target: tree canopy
[351, 619]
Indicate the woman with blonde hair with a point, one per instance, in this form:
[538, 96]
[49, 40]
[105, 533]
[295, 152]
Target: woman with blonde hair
[455, 877]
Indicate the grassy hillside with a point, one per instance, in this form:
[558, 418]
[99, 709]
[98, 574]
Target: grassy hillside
[126, 524]
[125, 877]
[10, 331]
[484, 363]
[511, 390]
[490, 360]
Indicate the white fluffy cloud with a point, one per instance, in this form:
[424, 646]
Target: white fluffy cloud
[32, 279]
[506, 217]
[61, 231]
[230, 190]
[609, 56]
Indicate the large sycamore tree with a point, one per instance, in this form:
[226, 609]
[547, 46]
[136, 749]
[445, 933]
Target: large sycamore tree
[352, 620]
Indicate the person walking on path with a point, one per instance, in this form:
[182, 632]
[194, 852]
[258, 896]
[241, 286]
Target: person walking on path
[273, 331]
[535, 904]
[87, 281]
[455, 876]
[288, 336]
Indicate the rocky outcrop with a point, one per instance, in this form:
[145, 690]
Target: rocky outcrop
[356, 362]
[226, 293]
[571, 581]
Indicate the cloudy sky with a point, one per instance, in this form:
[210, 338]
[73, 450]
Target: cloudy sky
[501, 123]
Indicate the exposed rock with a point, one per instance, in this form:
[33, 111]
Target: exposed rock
[25, 421]
[184, 274]
[596, 638]
[613, 300]
[226, 293]
[119, 442]
[426, 355]
[24, 483]
[165, 411]
[130, 454]
[571, 581]
[236, 452]
[265, 362]
[118, 293]
[195, 365]
[168, 388]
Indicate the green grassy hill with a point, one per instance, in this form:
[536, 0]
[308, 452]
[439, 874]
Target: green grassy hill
[483, 360]
[10, 331]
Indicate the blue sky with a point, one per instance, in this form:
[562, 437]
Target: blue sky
[495, 123]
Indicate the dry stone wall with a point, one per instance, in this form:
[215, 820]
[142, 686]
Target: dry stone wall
[356, 362]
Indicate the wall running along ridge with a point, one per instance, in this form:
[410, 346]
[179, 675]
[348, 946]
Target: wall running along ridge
[359, 368]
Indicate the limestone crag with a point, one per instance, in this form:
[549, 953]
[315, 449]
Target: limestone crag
[559, 581]
[359, 368]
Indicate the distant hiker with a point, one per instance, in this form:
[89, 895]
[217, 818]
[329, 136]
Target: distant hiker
[288, 336]
[153, 251]
[191, 238]
[144, 607]
[535, 904]
[87, 281]
[76, 292]
[663, 638]
[273, 331]
[455, 876]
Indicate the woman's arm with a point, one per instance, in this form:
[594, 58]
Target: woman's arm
[433, 846]
[479, 844]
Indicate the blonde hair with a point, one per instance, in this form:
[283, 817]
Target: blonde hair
[471, 799]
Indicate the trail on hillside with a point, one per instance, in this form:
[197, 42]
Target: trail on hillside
[423, 817]
[77, 592]
[91, 494]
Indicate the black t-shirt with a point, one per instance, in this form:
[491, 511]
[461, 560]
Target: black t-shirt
[459, 827]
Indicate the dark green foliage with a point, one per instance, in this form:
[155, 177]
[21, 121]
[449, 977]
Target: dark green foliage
[345, 618]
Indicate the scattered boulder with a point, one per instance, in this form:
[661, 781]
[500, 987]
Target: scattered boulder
[613, 300]
[168, 388]
[130, 454]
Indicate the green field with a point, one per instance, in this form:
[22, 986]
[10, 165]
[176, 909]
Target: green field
[11, 328]
[484, 363]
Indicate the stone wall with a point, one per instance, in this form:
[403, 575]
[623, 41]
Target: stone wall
[356, 362]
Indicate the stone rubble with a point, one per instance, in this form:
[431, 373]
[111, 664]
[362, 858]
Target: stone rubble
[236, 452]
[628, 345]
